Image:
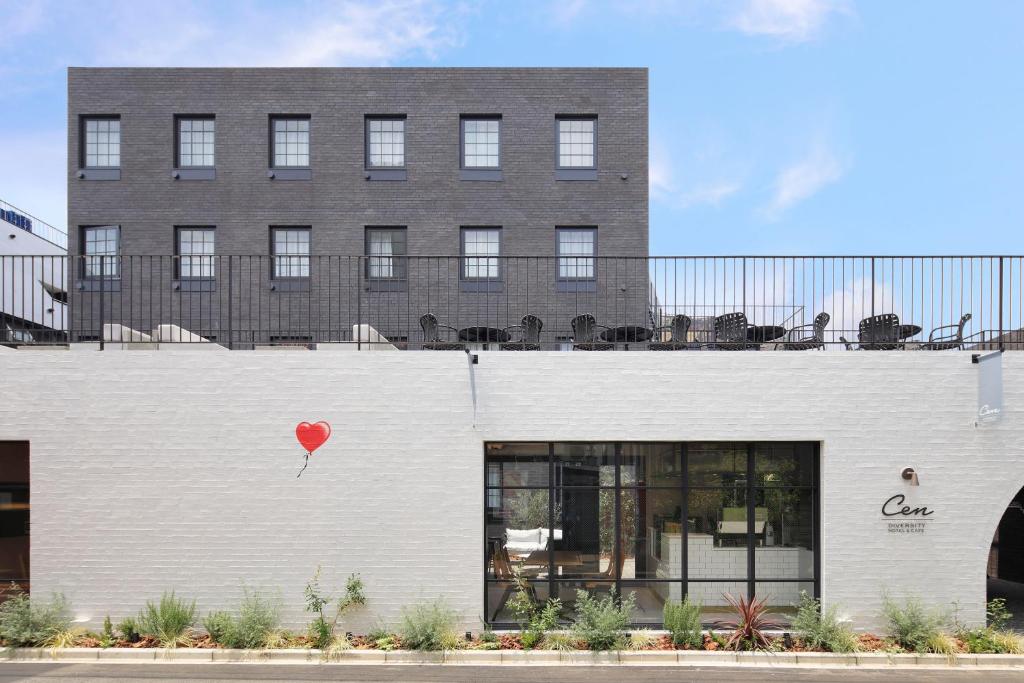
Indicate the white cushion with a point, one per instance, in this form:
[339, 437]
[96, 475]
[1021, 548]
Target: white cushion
[522, 536]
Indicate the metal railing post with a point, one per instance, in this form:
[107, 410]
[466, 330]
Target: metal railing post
[103, 268]
[1001, 285]
[231, 291]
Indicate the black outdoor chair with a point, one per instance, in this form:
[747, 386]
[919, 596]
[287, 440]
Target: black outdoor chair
[797, 339]
[585, 335]
[953, 340]
[731, 333]
[529, 332]
[880, 333]
[432, 335]
[678, 331]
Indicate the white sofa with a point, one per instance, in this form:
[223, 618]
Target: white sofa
[522, 542]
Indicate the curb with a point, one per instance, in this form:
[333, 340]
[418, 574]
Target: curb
[682, 658]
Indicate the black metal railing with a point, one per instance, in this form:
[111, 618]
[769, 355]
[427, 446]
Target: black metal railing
[665, 303]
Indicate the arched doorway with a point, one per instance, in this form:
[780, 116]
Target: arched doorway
[1006, 560]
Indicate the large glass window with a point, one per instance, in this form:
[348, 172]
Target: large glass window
[576, 250]
[655, 520]
[290, 140]
[576, 142]
[290, 252]
[102, 148]
[481, 248]
[14, 514]
[101, 248]
[481, 142]
[385, 251]
[195, 142]
[385, 142]
[195, 252]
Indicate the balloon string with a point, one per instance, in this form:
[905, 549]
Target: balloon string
[304, 466]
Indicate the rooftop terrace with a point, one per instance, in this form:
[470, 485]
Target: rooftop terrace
[522, 303]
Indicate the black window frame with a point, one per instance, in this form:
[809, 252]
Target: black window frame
[83, 230]
[575, 284]
[558, 145]
[399, 262]
[178, 118]
[285, 279]
[367, 164]
[481, 172]
[469, 283]
[178, 229]
[751, 488]
[86, 172]
[276, 172]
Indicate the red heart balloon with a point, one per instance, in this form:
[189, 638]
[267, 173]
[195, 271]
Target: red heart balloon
[312, 436]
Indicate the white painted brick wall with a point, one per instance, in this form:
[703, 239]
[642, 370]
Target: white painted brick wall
[154, 470]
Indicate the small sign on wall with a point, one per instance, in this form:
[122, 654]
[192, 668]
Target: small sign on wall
[990, 387]
[903, 518]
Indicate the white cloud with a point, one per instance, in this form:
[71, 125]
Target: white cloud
[792, 21]
[711, 194]
[566, 11]
[335, 34]
[665, 188]
[802, 180]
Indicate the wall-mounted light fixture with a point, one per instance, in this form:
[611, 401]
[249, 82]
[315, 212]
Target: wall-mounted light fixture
[910, 475]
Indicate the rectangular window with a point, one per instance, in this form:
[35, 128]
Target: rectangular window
[101, 247]
[655, 520]
[576, 250]
[577, 142]
[386, 251]
[101, 142]
[481, 142]
[195, 141]
[195, 250]
[289, 142]
[481, 248]
[385, 142]
[15, 513]
[290, 252]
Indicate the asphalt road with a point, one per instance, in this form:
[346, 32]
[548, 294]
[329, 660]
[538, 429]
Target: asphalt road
[214, 673]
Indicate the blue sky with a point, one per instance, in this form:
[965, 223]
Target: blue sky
[777, 126]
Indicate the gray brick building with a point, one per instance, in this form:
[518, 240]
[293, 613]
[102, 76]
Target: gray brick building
[261, 204]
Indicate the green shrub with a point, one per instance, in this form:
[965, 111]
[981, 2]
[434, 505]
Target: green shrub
[107, 639]
[911, 625]
[557, 640]
[221, 626]
[428, 625]
[129, 629]
[602, 622]
[821, 629]
[27, 622]
[682, 621]
[322, 628]
[257, 619]
[534, 619]
[168, 621]
[996, 614]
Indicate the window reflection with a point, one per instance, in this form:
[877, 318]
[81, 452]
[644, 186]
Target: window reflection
[14, 514]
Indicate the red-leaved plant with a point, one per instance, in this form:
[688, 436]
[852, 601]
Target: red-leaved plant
[750, 624]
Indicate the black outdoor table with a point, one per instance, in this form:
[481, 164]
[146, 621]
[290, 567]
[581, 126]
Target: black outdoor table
[482, 334]
[627, 334]
[908, 331]
[764, 333]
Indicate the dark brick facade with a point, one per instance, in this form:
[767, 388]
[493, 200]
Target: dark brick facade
[338, 202]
